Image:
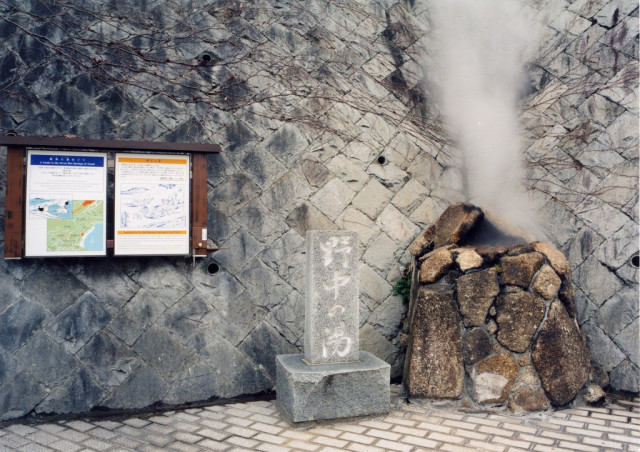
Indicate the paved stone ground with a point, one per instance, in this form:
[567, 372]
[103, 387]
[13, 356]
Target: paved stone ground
[418, 426]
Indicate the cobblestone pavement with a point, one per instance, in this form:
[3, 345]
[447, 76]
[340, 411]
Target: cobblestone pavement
[418, 426]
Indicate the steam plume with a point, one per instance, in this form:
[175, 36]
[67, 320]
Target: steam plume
[476, 63]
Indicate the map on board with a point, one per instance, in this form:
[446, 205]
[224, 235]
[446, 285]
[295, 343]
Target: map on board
[66, 204]
[152, 206]
[50, 208]
[81, 231]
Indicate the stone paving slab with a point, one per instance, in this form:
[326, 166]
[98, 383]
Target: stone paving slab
[409, 427]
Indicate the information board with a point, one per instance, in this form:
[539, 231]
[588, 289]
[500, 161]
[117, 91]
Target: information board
[65, 204]
[151, 204]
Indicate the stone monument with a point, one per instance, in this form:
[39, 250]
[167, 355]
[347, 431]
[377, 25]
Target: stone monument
[333, 378]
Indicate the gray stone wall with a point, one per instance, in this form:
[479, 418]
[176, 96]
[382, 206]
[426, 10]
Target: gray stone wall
[305, 98]
[583, 168]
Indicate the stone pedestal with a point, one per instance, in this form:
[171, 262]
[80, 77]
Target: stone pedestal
[331, 391]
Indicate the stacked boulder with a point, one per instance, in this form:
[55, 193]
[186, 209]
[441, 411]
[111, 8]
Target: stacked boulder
[492, 320]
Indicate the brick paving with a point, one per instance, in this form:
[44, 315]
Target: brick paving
[417, 426]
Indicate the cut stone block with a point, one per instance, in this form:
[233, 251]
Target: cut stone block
[332, 391]
[455, 223]
[557, 260]
[436, 265]
[519, 316]
[434, 365]
[332, 298]
[492, 378]
[476, 292]
[468, 258]
[546, 283]
[561, 357]
[519, 270]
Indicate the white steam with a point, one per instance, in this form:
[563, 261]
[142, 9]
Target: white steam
[476, 63]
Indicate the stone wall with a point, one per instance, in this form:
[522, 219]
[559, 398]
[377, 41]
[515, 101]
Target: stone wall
[323, 118]
[583, 154]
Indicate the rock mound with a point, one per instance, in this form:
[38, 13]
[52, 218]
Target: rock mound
[491, 318]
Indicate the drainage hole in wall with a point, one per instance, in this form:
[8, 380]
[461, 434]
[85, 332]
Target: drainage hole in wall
[382, 159]
[206, 57]
[213, 268]
[635, 260]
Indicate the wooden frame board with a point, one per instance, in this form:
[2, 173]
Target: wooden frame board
[15, 189]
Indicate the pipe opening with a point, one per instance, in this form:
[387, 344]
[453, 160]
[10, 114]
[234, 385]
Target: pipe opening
[635, 260]
[213, 268]
[382, 159]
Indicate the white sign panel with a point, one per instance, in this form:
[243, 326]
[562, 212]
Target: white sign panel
[66, 204]
[151, 205]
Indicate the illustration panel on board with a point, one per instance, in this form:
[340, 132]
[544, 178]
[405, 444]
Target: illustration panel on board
[151, 205]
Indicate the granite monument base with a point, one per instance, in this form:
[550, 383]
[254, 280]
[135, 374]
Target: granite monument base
[332, 391]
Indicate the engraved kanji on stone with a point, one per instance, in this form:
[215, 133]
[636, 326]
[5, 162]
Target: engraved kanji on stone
[336, 342]
[332, 299]
[336, 245]
[338, 280]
